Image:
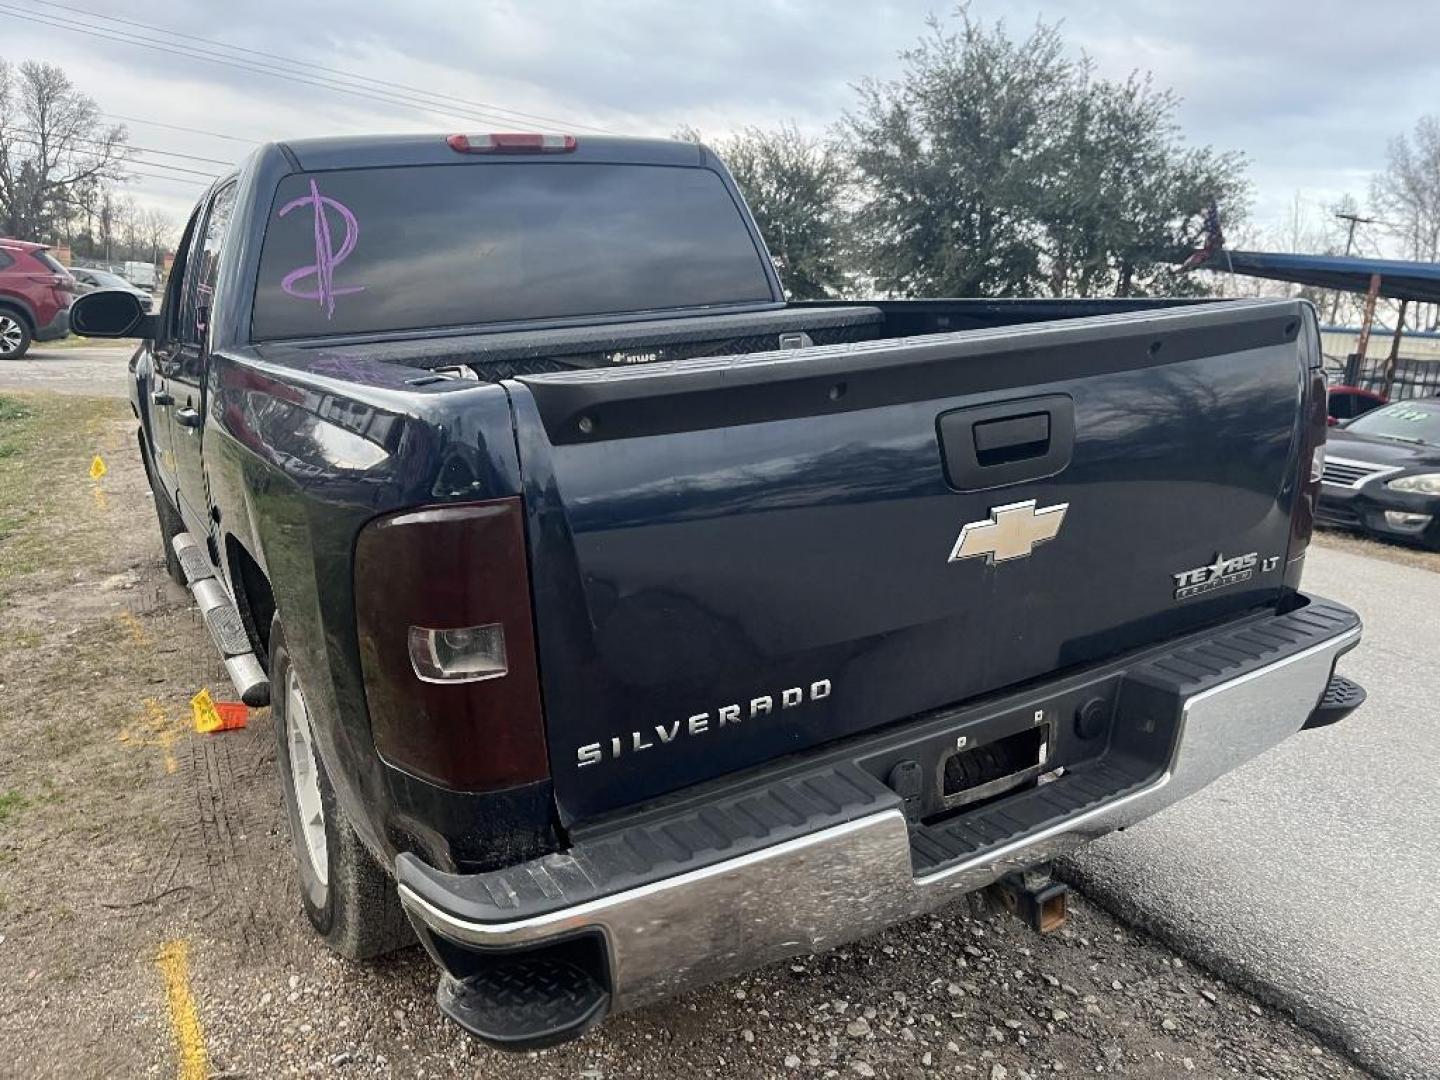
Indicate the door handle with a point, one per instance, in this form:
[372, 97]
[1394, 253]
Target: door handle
[160, 397]
[187, 417]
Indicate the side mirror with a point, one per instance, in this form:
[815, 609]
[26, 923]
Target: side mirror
[111, 313]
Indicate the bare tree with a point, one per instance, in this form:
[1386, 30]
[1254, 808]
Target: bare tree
[85, 198]
[52, 139]
[107, 215]
[1407, 191]
[1348, 231]
[159, 231]
[130, 221]
[1303, 233]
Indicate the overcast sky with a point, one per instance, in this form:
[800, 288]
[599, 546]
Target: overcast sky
[1308, 92]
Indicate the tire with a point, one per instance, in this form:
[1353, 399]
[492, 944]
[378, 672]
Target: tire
[350, 901]
[170, 527]
[15, 335]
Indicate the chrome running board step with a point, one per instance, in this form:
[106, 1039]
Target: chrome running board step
[223, 622]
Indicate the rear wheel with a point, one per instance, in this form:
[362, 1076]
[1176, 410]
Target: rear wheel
[349, 900]
[14, 335]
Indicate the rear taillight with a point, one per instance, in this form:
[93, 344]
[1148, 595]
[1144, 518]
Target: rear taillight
[1311, 467]
[447, 645]
[512, 142]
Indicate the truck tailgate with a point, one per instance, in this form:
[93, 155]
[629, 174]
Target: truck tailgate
[739, 558]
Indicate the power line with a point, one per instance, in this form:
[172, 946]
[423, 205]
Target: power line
[177, 168]
[172, 179]
[106, 34]
[176, 154]
[178, 127]
[362, 79]
[230, 164]
[120, 162]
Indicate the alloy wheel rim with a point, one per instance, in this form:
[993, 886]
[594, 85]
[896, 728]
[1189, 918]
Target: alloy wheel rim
[10, 336]
[305, 778]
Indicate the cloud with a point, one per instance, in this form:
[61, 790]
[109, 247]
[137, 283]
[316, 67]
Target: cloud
[1309, 95]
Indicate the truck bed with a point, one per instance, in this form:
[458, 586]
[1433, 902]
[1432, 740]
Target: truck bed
[502, 354]
[498, 354]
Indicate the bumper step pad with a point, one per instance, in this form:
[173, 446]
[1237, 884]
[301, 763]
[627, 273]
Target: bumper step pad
[1342, 697]
[965, 837]
[524, 1002]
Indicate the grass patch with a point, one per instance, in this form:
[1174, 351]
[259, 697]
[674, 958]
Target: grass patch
[11, 803]
[46, 444]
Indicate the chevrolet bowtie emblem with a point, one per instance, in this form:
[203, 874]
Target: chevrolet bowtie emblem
[1011, 532]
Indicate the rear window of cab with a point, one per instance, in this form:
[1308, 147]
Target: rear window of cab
[367, 250]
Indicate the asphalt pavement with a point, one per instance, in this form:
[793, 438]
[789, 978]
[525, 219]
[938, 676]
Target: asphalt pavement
[1310, 877]
[100, 369]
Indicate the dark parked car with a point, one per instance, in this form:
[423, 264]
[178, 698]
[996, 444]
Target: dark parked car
[35, 296]
[627, 627]
[89, 280]
[1382, 473]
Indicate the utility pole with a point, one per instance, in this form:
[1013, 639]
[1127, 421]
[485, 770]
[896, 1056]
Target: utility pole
[1354, 220]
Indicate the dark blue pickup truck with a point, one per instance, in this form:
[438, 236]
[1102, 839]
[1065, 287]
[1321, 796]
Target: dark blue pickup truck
[626, 626]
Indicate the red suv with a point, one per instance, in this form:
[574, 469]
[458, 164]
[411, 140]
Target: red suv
[35, 295]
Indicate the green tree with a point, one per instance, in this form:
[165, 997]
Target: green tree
[996, 167]
[1123, 197]
[795, 187]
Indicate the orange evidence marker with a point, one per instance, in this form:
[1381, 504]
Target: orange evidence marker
[212, 715]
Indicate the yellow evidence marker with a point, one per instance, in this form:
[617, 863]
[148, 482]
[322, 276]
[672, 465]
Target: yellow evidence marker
[212, 716]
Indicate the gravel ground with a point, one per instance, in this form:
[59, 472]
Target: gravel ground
[122, 831]
[74, 366]
[943, 996]
[1384, 550]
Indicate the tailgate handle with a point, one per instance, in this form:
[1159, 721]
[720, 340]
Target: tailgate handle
[1000, 441]
[1010, 442]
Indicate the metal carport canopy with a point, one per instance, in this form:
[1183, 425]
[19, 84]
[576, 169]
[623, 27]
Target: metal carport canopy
[1399, 279]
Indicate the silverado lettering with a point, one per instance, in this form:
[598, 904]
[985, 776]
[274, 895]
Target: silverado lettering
[726, 715]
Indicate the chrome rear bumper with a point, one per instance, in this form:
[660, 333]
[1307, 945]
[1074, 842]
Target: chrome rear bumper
[844, 882]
